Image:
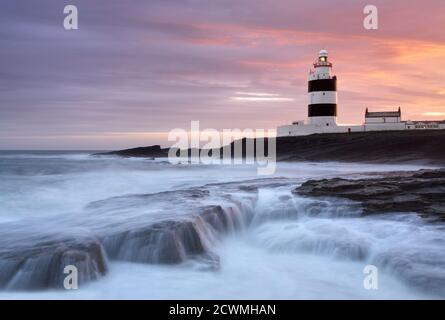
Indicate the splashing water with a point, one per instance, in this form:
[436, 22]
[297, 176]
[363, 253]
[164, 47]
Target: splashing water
[146, 229]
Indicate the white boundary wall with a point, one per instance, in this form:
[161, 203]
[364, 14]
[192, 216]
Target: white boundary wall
[307, 129]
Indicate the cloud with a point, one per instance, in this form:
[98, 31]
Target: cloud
[152, 66]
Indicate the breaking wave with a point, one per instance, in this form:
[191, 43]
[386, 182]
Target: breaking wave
[220, 227]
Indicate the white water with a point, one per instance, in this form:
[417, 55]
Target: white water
[287, 252]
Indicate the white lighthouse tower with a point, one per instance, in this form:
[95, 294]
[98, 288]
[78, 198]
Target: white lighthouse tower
[322, 91]
[322, 109]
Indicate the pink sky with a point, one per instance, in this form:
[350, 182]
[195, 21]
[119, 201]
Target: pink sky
[130, 74]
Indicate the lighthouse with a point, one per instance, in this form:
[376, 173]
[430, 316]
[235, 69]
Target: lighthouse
[322, 92]
[322, 109]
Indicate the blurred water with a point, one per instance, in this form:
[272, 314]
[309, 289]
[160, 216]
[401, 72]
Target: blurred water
[290, 248]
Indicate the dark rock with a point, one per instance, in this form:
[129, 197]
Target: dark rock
[167, 242]
[179, 229]
[41, 265]
[420, 146]
[143, 152]
[422, 192]
[172, 242]
[416, 146]
[216, 217]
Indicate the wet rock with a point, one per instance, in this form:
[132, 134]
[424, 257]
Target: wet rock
[424, 270]
[174, 241]
[422, 192]
[168, 227]
[41, 265]
[216, 218]
[167, 242]
[166, 197]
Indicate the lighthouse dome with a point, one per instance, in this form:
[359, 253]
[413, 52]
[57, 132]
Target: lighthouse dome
[323, 53]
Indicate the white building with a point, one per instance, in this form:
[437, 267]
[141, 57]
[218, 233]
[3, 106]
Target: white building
[322, 109]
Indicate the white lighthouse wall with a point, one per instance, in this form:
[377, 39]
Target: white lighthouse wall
[304, 130]
[307, 129]
[321, 97]
[385, 126]
[323, 121]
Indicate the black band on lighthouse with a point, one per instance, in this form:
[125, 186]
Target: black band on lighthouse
[323, 110]
[322, 85]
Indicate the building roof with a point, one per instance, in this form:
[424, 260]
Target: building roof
[382, 114]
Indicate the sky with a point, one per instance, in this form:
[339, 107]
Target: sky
[134, 70]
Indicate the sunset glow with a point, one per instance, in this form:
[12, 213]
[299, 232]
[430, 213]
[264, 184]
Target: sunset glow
[228, 65]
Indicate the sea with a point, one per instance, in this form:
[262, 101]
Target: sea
[234, 234]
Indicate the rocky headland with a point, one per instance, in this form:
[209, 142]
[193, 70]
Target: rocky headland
[421, 192]
[420, 146]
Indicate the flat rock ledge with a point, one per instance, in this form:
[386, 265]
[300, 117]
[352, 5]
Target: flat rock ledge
[421, 192]
[41, 266]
